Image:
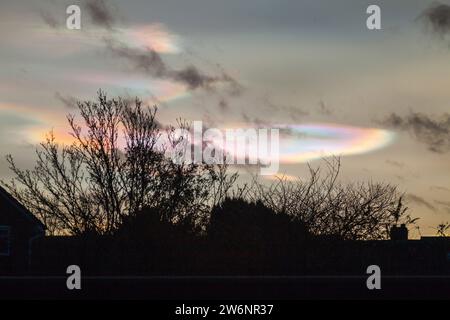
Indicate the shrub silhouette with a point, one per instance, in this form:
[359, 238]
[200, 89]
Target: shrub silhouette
[250, 237]
[237, 222]
[147, 243]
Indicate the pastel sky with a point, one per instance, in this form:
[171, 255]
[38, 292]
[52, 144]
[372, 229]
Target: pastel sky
[381, 99]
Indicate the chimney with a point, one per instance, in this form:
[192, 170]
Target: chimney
[399, 232]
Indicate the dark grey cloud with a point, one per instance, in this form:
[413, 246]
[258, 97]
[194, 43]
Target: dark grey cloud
[151, 63]
[437, 18]
[68, 101]
[100, 12]
[194, 78]
[420, 201]
[148, 61]
[434, 132]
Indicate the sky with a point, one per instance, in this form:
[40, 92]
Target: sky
[378, 98]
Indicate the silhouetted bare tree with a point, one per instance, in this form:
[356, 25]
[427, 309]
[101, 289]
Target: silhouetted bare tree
[115, 167]
[327, 207]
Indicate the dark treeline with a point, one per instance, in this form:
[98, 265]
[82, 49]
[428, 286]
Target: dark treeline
[129, 208]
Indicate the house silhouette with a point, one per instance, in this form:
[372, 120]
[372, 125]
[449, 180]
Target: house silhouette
[18, 230]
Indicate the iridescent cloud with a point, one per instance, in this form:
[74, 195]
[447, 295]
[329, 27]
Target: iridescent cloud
[305, 142]
[155, 37]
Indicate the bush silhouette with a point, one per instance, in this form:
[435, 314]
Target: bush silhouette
[146, 243]
[237, 222]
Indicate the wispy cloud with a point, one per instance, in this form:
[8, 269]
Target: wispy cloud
[150, 62]
[440, 188]
[444, 204]
[293, 112]
[395, 163]
[434, 132]
[68, 101]
[420, 201]
[100, 13]
[437, 18]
